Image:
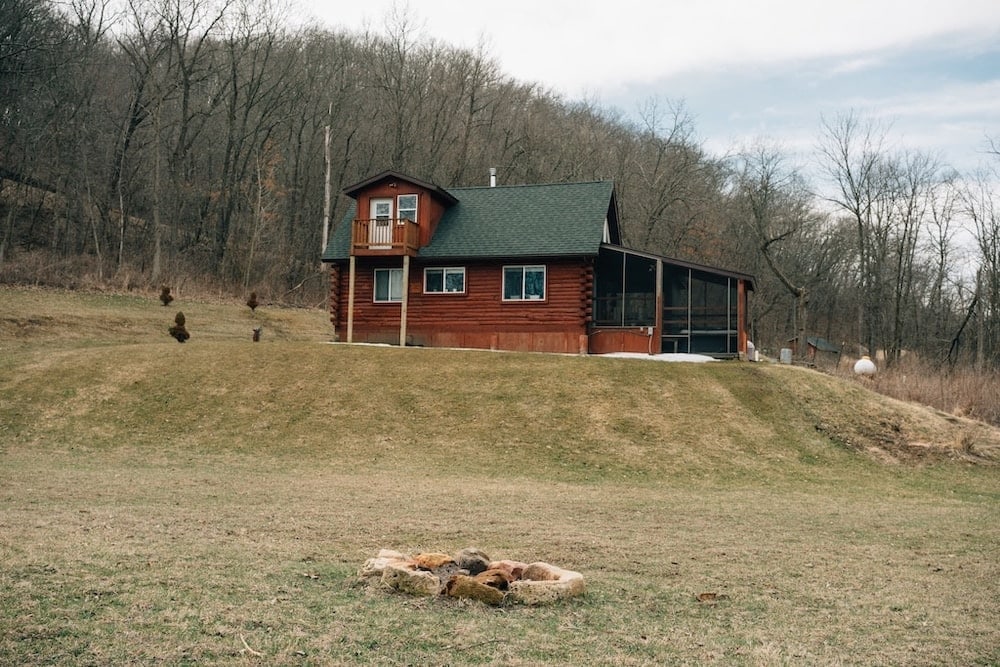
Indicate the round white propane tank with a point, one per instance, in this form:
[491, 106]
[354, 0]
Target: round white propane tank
[865, 366]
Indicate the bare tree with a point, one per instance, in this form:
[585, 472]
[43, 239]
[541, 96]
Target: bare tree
[400, 81]
[853, 156]
[916, 179]
[778, 208]
[942, 253]
[671, 180]
[980, 203]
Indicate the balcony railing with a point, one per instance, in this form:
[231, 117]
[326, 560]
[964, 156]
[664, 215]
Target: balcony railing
[385, 236]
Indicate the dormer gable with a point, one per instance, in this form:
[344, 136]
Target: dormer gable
[395, 178]
[612, 230]
[392, 198]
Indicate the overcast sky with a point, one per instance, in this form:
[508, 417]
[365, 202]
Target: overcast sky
[742, 68]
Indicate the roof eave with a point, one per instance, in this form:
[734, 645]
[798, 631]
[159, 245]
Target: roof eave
[691, 265]
[353, 190]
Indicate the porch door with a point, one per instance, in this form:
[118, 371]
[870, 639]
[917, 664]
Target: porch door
[380, 228]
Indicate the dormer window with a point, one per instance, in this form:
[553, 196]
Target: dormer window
[381, 209]
[406, 207]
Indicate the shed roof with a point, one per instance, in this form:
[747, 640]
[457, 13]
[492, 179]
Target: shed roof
[822, 344]
[555, 219]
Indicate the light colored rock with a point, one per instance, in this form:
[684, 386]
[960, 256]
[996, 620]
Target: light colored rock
[464, 586]
[406, 578]
[513, 568]
[432, 561]
[542, 583]
[542, 572]
[373, 567]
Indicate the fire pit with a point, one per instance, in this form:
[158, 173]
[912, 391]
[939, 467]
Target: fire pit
[472, 574]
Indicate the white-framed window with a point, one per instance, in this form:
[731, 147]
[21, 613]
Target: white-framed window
[440, 280]
[388, 285]
[381, 209]
[406, 207]
[523, 282]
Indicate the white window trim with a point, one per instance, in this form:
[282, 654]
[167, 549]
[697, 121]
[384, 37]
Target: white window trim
[523, 298]
[390, 271]
[400, 209]
[444, 279]
[375, 202]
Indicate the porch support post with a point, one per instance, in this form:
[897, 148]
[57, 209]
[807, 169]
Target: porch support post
[658, 316]
[741, 315]
[350, 302]
[405, 300]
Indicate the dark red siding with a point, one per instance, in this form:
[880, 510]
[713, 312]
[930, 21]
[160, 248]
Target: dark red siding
[429, 209]
[478, 318]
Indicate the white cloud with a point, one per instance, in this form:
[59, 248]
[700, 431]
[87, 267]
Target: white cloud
[953, 101]
[953, 122]
[745, 69]
[586, 45]
[852, 65]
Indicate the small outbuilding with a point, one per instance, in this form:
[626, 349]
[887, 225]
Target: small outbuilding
[818, 349]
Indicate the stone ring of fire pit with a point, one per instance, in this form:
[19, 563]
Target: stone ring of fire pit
[472, 574]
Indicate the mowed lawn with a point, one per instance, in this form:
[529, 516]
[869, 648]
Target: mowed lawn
[211, 503]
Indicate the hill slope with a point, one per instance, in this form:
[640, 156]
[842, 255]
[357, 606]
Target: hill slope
[99, 371]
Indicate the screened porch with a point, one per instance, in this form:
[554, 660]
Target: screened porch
[691, 309]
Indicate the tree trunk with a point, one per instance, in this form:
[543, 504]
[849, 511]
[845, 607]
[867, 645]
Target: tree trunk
[326, 189]
[981, 324]
[157, 194]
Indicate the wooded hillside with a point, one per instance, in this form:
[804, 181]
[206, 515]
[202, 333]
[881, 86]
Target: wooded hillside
[191, 144]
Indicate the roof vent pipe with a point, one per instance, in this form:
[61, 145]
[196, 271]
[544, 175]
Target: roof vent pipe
[493, 177]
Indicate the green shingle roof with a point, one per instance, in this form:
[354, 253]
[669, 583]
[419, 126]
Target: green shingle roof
[511, 221]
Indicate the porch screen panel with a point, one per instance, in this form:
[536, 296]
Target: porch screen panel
[609, 288]
[640, 291]
[675, 300]
[711, 328]
[624, 290]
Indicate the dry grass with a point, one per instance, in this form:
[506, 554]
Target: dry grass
[964, 392]
[35, 317]
[117, 560]
[209, 503]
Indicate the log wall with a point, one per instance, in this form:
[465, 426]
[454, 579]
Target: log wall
[477, 318]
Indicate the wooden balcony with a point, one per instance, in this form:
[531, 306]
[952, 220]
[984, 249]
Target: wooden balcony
[385, 236]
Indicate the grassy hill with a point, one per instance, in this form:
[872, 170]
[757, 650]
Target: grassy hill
[96, 370]
[209, 501]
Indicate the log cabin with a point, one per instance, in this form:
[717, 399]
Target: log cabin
[524, 268]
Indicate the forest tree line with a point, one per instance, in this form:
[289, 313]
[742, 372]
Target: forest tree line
[155, 142]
